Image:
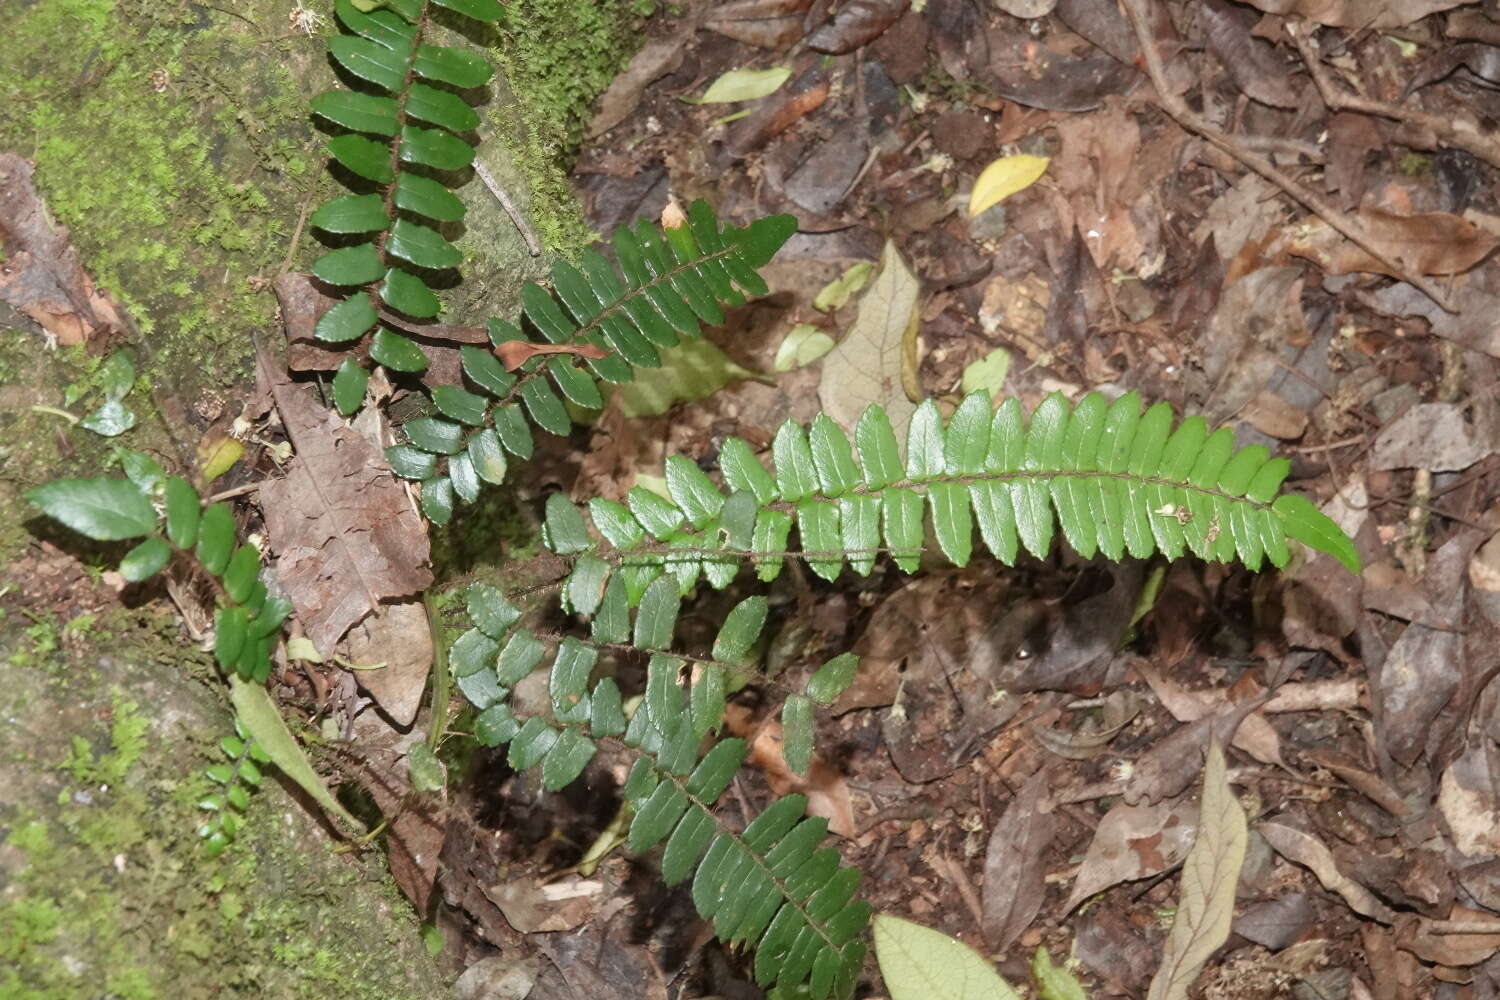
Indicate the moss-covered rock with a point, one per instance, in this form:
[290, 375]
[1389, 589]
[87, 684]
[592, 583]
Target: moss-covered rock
[105, 887]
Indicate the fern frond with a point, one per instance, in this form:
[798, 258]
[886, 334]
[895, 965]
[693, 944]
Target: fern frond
[669, 281]
[1114, 479]
[406, 125]
[769, 887]
[238, 775]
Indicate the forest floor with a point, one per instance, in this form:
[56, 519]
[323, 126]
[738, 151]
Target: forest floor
[1281, 215]
[1196, 264]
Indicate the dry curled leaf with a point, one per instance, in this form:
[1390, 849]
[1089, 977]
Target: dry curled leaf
[1307, 850]
[515, 353]
[1205, 905]
[1133, 842]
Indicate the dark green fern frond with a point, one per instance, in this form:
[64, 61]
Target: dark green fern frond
[237, 776]
[770, 887]
[406, 125]
[1115, 479]
[669, 281]
[107, 509]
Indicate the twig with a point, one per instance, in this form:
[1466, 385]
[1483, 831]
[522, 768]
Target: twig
[532, 244]
[1463, 134]
[291, 250]
[1178, 110]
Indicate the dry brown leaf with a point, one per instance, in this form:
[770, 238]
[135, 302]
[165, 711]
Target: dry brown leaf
[1436, 243]
[1307, 850]
[1172, 764]
[1433, 436]
[655, 60]
[399, 638]
[871, 362]
[1133, 842]
[1014, 877]
[826, 790]
[857, 23]
[1256, 68]
[41, 274]
[535, 907]
[1361, 14]
[1205, 905]
[1422, 938]
[345, 534]
[1256, 736]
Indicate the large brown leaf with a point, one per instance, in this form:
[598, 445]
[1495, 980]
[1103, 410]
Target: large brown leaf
[345, 535]
[1436, 243]
[1015, 882]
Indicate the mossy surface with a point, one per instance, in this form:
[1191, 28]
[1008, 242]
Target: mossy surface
[105, 888]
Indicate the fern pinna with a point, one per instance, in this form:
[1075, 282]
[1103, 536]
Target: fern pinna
[1117, 481]
[405, 131]
[670, 280]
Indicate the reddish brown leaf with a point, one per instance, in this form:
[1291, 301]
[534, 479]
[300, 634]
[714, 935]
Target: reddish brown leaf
[1427, 243]
[515, 353]
[41, 274]
[1133, 842]
[1361, 14]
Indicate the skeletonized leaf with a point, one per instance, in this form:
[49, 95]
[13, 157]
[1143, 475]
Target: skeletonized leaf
[1003, 178]
[745, 85]
[1209, 877]
[871, 363]
[919, 963]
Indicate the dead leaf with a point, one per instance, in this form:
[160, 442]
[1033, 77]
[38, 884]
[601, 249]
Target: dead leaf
[1120, 707]
[1170, 767]
[1418, 678]
[1436, 243]
[1256, 736]
[343, 529]
[1014, 875]
[1133, 842]
[1476, 299]
[1205, 905]
[826, 790]
[41, 274]
[1469, 805]
[769, 24]
[1361, 14]
[1019, 69]
[857, 23]
[1432, 436]
[515, 353]
[1276, 923]
[1424, 940]
[871, 362]
[399, 637]
[1307, 850]
[535, 907]
[1256, 68]
[655, 60]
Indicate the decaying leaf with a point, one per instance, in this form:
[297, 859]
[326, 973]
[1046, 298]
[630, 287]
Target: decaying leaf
[1433, 436]
[1014, 876]
[1205, 905]
[655, 60]
[1422, 939]
[43, 275]
[1427, 243]
[345, 534]
[856, 23]
[826, 790]
[1307, 850]
[1133, 842]
[398, 637]
[533, 907]
[870, 364]
[515, 353]
[1003, 178]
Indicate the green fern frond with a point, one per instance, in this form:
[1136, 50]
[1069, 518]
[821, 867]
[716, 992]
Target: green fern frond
[770, 887]
[405, 125]
[1116, 481]
[669, 281]
[238, 775]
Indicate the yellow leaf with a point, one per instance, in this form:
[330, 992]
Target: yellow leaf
[217, 454]
[745, 85]
[1004, 178]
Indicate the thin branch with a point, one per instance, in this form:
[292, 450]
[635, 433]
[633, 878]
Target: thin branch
[532, 244]
[1178, 110]
[1457, 132]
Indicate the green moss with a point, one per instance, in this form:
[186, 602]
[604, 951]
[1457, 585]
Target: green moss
[114, 894]
[178, 187]
[559, 55]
